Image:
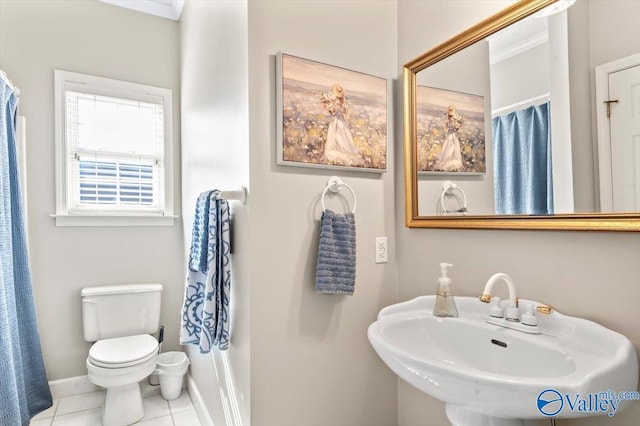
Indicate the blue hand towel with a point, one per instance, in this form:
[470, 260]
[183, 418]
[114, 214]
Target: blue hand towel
[336, 270]
[200, 234]
[205, 314]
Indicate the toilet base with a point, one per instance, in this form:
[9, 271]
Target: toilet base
[122, 405]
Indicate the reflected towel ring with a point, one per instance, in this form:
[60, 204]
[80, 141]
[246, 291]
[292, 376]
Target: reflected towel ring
[334, 185]
[449, 187]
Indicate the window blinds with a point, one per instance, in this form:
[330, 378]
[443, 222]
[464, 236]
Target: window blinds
[115, 151]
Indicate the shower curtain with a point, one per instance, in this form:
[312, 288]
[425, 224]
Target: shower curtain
[24, 390]
[523, 182]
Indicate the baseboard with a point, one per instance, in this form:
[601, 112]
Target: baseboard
[198, 402]
[71, 386]
[80, 384]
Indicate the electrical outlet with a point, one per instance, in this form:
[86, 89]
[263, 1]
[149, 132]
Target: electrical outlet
[382, 252]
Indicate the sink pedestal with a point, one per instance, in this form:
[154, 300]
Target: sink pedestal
[459, 416]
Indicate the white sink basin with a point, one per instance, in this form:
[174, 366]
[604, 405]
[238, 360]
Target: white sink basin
[482, 368]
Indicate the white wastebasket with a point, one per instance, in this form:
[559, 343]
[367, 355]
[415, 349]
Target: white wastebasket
[171, 368]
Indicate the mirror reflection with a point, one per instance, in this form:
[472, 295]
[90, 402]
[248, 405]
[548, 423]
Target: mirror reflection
[514, 124]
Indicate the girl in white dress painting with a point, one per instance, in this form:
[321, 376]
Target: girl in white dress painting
[450, 158]
[339, 147]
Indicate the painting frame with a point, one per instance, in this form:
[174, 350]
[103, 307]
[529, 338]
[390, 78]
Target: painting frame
[451, 132]
[330, 117]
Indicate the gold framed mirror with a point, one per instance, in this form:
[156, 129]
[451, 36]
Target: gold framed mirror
[417, 74]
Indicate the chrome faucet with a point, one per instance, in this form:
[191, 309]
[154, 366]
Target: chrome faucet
[511, 313]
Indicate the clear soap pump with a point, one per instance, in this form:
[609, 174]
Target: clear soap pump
[445, 302]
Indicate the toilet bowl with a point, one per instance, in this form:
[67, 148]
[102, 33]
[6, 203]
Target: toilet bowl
[119, 365]
[120, 320]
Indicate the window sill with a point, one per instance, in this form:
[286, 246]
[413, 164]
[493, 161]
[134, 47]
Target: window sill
[113, 220]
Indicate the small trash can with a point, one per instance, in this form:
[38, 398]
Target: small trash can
[171, 368]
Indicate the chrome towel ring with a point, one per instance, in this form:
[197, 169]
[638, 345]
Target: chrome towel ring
[334, 185]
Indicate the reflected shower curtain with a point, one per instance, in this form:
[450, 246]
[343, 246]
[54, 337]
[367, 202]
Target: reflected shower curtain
[24, 390]
[522, 175]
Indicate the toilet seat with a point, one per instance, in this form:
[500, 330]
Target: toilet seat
[121, 352]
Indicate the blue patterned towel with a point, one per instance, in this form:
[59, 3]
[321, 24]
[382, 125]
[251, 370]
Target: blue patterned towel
[205, 315]
[336, 271]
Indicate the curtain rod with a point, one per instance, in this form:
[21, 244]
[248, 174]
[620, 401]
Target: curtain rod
[517, 105]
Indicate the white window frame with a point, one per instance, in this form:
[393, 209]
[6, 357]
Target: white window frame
[64, 216]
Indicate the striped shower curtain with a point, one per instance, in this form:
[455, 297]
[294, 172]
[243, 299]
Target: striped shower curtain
[523, 182]
[24, 391]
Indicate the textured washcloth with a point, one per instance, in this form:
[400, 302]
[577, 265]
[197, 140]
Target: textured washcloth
[336, 271]
[24, 389]
[205, 315]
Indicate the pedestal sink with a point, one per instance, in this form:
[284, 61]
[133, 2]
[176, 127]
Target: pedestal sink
[487, 374]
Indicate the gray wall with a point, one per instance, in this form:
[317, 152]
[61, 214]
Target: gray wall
[593, 41]
[303, 346]
[94, 38]
[592, 275]
[467, 72]
[311, 362]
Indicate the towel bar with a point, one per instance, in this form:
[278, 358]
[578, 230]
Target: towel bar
[334, 185]
[238, 194]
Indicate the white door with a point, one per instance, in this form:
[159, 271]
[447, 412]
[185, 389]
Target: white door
[624, 86]
[618, 92]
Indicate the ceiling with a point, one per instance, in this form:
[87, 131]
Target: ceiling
[170, 9]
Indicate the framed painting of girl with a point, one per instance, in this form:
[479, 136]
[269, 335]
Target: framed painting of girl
[450, 132]
[329, 116]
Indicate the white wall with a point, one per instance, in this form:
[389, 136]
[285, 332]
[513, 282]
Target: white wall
[507, 76]
[215, 154]
[311, 362]
[561, 147]
[94, 38]
[593, 275]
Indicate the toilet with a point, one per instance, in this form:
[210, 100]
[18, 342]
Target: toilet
[120, 319]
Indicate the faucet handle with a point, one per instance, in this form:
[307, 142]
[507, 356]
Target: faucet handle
[529, 317]
[495, 310]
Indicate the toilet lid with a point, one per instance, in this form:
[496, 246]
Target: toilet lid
[123, 351]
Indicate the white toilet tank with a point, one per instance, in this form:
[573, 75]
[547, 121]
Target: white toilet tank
[110, 311]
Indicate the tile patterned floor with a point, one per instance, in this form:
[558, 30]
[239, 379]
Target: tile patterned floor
[85, 410]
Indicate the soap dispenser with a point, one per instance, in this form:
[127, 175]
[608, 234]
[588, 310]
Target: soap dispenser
[445, 302]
